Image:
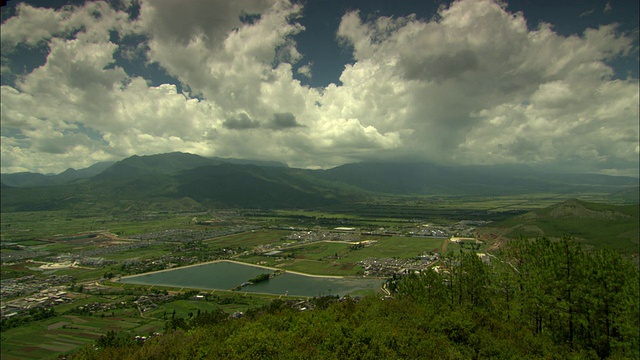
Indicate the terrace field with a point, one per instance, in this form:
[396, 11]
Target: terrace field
[65, 333]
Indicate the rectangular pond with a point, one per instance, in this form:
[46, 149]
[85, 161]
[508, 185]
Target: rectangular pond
[227, 275]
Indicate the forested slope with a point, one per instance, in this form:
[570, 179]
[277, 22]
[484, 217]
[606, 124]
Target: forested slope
[596, 225]
[537, 299]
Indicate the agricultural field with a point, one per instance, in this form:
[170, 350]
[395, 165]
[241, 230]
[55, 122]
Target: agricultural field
[64, 333]
[341, 258]
[250, 239]
[110, 246]
[28, 226]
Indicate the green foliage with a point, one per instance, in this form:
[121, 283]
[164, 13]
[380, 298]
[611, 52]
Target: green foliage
[114, 340]
[537, 299]
[34, 314]
[598, 225]
[260, 278]
[579, 298]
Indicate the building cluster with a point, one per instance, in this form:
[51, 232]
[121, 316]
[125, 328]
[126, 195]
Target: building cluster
[45, 298]
[429, 231]
[7, 257]
[338, 234]
[384, 267]
[27, 285]
[189, 235]
[169, 261]
[74, 260]
[149, 302]
[95, 307]
[103, 250]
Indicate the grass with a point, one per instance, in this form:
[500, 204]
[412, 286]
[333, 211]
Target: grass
[46, 339]
[597, 225]
[22, 226]
[230, 304]
[319, 258]
[250, 239]
[327, 267]
[140, 253]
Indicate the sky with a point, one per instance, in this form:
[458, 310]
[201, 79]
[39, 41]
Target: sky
[320, 83]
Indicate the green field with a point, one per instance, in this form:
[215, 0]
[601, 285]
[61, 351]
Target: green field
[64, 333]
[22, 226]
[250, 239]
[59, 232]
[47, 338]
[338, 258]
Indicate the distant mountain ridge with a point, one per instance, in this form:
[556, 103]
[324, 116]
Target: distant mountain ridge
[164, 178]
[136, 166]
[28, 179]
[421, 178]
[129, 167]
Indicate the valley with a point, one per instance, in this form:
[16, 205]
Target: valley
[81, 261]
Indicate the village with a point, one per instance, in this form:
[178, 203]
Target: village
[21, 295]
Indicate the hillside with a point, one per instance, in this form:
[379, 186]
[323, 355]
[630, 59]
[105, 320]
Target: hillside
[597, 225]
[474, 311]
[253, 186]
[139, 166]
[422, 178]
[165, 180]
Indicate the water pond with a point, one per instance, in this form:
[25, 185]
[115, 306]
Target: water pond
[226, 275]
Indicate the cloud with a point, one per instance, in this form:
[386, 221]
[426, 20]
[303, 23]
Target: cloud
[439, 67]
[474, 85]
[215, 53]
[607, 8]
[32, 26]
[479, 59]
[586, 13]
[305, 70]
[241, 122]
[282, 121]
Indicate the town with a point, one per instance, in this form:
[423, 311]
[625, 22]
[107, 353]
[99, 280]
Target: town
[192, 246]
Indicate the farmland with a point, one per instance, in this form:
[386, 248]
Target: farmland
[94, 250]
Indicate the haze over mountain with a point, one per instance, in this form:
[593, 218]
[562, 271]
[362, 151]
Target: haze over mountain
[69, 175]
[200, 181]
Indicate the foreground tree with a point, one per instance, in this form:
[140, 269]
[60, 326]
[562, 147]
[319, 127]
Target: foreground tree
[538, 299]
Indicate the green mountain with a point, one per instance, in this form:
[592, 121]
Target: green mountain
[26, 179]
[29, 179]
[421, 178]
[597, 225]
[254, 186]
[176, 179]
[138, 166]
[249, 162]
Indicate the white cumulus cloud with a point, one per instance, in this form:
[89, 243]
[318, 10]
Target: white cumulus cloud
[472, 85]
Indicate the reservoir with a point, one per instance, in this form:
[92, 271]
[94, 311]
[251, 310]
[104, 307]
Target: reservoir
[226, 275]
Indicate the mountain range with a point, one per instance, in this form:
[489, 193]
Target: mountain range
[29, 179]
[181, 179]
